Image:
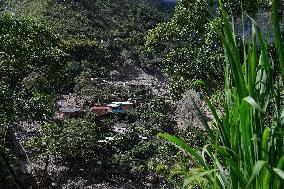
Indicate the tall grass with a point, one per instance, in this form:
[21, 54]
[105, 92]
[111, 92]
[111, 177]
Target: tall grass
[249, 147]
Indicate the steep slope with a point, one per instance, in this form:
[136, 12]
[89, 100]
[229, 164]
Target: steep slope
[124, 21]
[100, 35]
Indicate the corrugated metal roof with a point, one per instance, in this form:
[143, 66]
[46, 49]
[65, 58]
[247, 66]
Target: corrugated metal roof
[100, 108]
[113, 105]
[69, 110]
[123, 103]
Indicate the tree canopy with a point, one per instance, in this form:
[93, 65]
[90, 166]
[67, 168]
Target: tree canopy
[31, 63]
[188, 45]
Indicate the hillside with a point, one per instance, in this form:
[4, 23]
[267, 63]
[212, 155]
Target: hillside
[125, 22]
[143, 94]
[117, 27]
[101, 44]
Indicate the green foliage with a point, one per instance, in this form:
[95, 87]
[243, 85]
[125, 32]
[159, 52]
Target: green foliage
[248, 148]
[70, 139]
[173, 164]
[115, 23]
[80, 49]
[82, 144]
[248, 6]
[153, 117]
[91, 58]
[99, 35]
[253, 6]
[188, 46]
[28, 49]
[31, 64]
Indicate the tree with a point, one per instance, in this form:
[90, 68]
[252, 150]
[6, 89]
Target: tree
[31, 64]
[187, 45]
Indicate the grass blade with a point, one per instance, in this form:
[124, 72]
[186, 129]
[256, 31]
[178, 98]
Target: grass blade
[279, 172]
[203, 119]
[253, 104]
[265, 144]
[183, 146]
[255, 171]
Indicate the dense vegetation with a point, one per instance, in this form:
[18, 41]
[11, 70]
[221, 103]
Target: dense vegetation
[91, 147]
[117, 27]
[189, 47]
[31, 70]
[50, 48]
[247, 137]
[55, 51]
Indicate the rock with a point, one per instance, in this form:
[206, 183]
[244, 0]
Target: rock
[149, 185]
[54, 184]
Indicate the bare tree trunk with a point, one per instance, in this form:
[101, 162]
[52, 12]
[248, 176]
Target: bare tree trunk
[21, 173]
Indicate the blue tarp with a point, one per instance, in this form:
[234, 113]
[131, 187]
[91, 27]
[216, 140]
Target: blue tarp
[117, 111]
